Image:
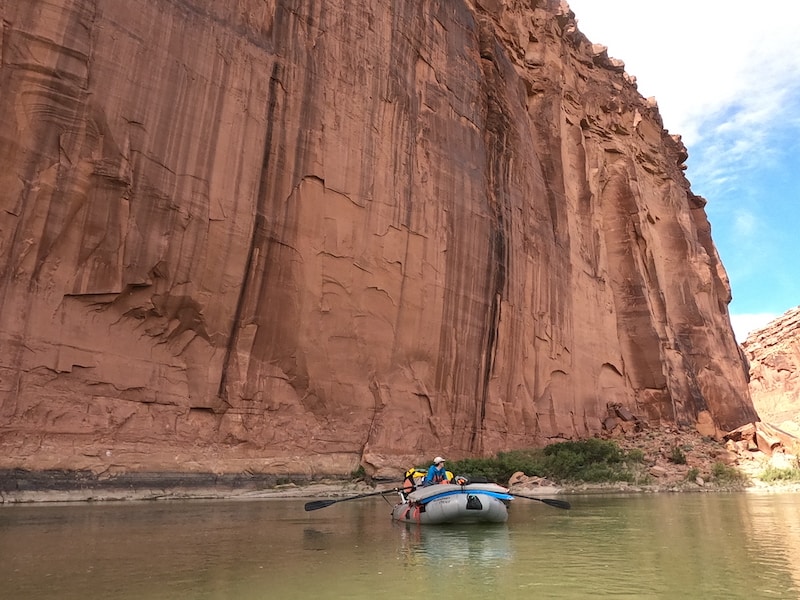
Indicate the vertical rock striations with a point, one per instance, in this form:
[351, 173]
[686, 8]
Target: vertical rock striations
[774, 356]
[296, 237]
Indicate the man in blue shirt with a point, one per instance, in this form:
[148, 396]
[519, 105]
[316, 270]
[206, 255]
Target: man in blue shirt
[436, 473]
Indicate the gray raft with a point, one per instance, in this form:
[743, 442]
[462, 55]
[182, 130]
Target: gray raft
[452, 503]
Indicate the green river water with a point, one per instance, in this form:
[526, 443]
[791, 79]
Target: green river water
[682, 546]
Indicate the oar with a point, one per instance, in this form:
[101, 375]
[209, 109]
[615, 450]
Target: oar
[317, 504]
[549, 501]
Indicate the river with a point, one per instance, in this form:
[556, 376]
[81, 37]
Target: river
[682, 546]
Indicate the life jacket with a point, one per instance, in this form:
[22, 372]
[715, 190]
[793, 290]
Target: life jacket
[437, 478]
[448, 478]
[413, 479]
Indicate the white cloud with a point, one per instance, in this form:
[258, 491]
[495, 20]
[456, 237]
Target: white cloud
[747, 323]
[726, 76]
[702, 59]
[746, 226]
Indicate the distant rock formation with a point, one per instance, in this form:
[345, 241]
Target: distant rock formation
[774, 356]
[290, 237]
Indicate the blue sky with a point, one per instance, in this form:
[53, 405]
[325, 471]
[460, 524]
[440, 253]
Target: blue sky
[726, 76]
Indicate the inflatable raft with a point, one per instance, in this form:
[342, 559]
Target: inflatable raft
[453, 503]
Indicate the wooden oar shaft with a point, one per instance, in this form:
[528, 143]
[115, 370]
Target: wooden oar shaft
[317, 504]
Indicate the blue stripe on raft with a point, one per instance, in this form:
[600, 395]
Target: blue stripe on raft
[497, 495]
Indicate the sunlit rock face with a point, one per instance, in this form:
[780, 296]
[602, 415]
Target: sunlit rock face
[774, 356]
[300, 237]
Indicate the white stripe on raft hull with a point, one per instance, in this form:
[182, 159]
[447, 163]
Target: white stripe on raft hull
[472, 503]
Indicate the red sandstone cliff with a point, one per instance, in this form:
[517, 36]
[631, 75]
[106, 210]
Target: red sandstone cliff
[774, 356]
[296, 237]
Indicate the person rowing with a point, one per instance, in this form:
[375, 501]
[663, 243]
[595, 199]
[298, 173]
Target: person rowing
[437, 473]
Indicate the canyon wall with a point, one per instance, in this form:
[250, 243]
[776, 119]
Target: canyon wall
[303, 236]
[774, 356]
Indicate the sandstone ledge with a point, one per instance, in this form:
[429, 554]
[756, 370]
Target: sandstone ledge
[22, 486]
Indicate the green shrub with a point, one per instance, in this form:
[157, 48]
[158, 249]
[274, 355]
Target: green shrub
[727, 474]
[635, 456]
[693, 474]
[358, 474]
[500, 467]
[590, 450]
[785, 475]
[591, 460]
[677, 456]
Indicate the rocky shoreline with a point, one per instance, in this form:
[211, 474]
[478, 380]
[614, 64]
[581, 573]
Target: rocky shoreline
[659, 471]
[332, 488]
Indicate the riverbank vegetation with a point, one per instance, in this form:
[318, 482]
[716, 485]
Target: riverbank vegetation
[592, 460]
[664, 464]
[781, 475]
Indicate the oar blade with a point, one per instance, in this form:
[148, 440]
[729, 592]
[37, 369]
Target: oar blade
[557, 503]
[549, 501]
[317, 504]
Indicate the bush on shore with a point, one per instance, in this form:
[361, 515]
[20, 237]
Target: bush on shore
[591, 460]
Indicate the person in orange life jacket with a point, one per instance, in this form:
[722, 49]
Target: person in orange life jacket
[436, 473]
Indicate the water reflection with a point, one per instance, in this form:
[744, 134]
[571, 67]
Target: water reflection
[771, 524]
[314, 539]
[486, 545]
[708, 545]
[736, 546]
